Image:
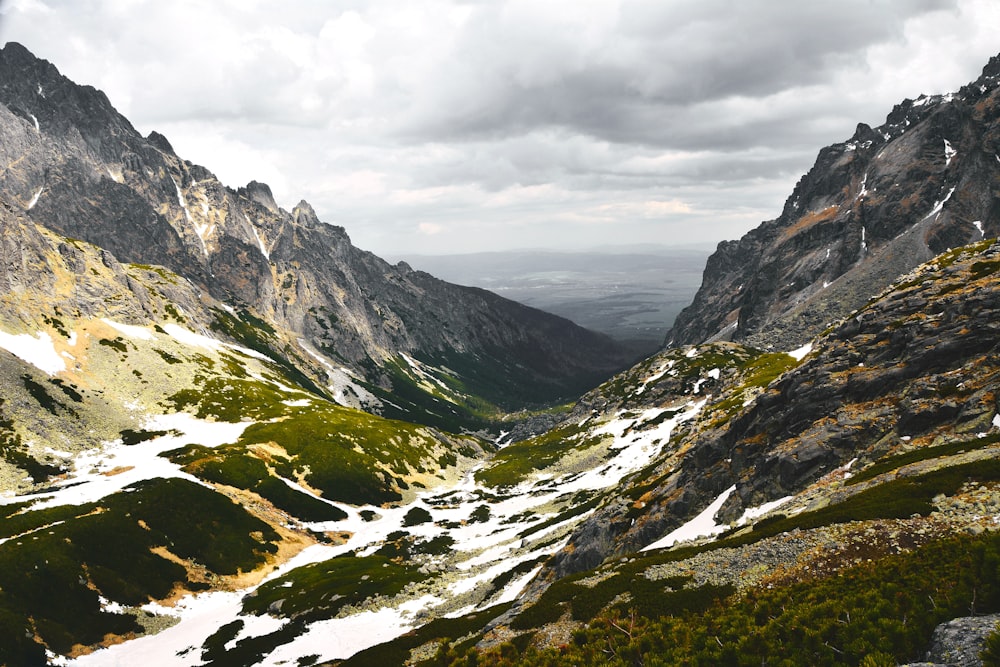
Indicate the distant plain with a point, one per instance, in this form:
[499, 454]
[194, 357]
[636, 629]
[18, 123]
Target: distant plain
[631, 294]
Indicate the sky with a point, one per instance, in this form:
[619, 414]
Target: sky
[452, 126]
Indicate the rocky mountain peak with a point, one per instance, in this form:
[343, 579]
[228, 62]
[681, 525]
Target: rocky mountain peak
[870, 209]
[159, 141]
[260, 193]
[304, 214]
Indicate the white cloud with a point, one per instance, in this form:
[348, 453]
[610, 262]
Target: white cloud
[513, 122]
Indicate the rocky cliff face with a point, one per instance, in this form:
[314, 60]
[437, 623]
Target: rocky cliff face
[870, 209]
[77, 167]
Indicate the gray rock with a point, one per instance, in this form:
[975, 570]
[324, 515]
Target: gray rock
[958, 643]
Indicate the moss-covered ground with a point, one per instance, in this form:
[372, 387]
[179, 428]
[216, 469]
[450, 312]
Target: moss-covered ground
[321, 590]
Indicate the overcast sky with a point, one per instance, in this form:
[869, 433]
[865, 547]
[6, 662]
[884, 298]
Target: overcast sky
[436, 126]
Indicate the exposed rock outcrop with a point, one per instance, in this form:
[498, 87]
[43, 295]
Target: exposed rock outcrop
[869, 210]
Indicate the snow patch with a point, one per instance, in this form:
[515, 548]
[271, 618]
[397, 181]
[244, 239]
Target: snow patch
[260, 243]
[800, 353]
[861, 193]
[343, 384]
[130, 330]
[938, 205]
[702, 525]
[38, 128]
[660, 372]
[37, 350]
[34, 200]
[101, 472]
[752, 513]
[979, 225]
[949, 152]
[191, 339]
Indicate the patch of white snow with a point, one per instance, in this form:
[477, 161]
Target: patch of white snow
[260, 243]
[37, 350]
[800, 353]
[130, 330]
[949, 152]
[752, 513]
[702, 525]
[34, 200]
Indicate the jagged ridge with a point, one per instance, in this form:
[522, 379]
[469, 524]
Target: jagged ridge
[869, 210]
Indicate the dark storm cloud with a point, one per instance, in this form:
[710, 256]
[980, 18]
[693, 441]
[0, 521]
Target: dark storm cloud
[639, 77]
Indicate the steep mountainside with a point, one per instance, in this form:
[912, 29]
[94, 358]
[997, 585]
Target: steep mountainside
[870, 209]
[77, 167]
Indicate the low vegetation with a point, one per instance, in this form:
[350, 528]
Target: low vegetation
[890, 606]
[321, 590]
[57, 562]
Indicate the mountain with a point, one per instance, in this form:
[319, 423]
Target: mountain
[78, 168]
[187, 477]
[870, 209]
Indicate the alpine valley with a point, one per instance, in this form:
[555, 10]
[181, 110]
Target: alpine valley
[229, 437]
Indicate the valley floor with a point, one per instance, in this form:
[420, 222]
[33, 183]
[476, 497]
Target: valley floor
[474, 545]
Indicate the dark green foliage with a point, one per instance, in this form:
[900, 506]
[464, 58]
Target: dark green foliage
[480, 515]
[230, 399]
[400, 546]
[406, 400]
[397, 651]
[56, 324]
[897, 499]
[64, 557]
[115, 344]
[984, 268]
[167, 357]
[234, 466]
[254, 333]
[586, 600]
[39, 393]
[922, 454]
[498, 582]
[15, 452]
[130, 437]
[68, 389]
[513, 463]
[247, 651]
[322, 589]
[323, 443]
[174, 313]
[575, 509]
[875, 611]
[415, 516]
[347, 455]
